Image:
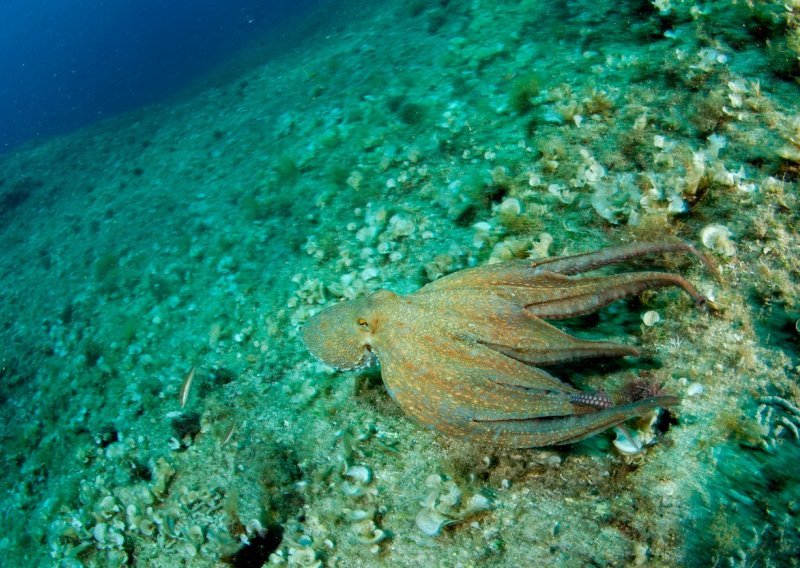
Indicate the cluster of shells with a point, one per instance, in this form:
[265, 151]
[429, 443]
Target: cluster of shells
[299, 385]
[445, 504]
[623, 197]
[359, 509]
[111, 523]
[779, 422]
[364, 521]
[790, 151]
[300, 552]
[378, 237]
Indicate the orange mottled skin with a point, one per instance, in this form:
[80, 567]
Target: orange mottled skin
[463, 354]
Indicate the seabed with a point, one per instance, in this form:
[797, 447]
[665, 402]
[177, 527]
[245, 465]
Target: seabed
[393, 145]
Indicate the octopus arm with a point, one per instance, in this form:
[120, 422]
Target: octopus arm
[555, 296]
[510, 273]
[440, 377]
[500, 319]
[565, 430]
[473, 392]
[533, 341]
[548, 282]
[585, 262]
[550, 295]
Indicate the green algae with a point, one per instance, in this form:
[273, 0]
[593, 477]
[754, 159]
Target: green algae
[361, 161]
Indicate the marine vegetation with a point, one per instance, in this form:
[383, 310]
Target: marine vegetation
[463, 354]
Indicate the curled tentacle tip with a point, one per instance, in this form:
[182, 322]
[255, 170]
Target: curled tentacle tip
[707, 305]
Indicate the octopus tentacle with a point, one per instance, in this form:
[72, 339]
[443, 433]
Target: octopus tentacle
[565, 430]
[567, 350]
[580, 263]
[590, 294]
[452, 378]
[508, 328]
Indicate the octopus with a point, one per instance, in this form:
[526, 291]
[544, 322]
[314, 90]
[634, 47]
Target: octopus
[464, 355]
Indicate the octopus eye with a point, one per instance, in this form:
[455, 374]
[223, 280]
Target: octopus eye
[363, 323]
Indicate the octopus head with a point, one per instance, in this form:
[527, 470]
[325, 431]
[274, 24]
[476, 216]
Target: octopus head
[342, 335]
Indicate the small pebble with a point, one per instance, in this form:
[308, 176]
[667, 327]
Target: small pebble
[650, 318]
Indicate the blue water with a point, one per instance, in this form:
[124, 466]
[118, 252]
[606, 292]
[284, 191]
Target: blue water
[65, 64]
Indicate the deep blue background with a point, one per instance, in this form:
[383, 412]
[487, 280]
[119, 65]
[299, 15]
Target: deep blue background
[67, 63]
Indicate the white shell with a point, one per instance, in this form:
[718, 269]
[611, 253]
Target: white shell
[431, 522]
[357, 515]
[115, 538]
[107, 507]
[133, 515]
[510, 206]
[476, 503]
[401, 226]
[372, 537]
[147, 527]
[359, 473]
[451, 495]
[430, 500]
[650, 318]
[718, 238]
[254, 527]
[303, 557]
[628, 443]
[99, 532]
[433, 481]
